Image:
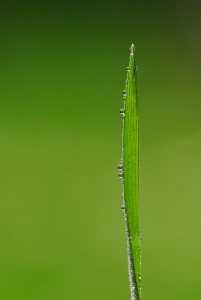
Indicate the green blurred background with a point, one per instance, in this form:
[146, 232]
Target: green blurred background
[63, 68]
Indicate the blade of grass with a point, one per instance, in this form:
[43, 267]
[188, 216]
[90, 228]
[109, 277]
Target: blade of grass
[130, 175]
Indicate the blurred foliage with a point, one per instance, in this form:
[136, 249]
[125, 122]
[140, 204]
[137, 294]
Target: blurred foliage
[62, 74]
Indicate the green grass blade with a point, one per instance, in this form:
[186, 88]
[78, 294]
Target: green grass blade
[130, 161]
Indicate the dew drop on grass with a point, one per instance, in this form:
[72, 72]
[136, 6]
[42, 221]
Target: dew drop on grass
[120, 175]
[123, 207]
[124, 92]
[120, 167]
[121, 111]
[127, 68]
[139, 277]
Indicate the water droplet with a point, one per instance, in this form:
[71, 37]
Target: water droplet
[120, 167]
[127, 68]
[121, 111]
[136, 67]
[123, 98]
[120, 175]
[122, 207]
[129, 50]
[124, 92]
[139, 277]
[140, 238]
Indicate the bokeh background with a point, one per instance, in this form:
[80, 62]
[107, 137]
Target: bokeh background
[63, 68]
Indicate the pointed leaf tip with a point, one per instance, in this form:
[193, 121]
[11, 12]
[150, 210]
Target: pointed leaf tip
[132, 49]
